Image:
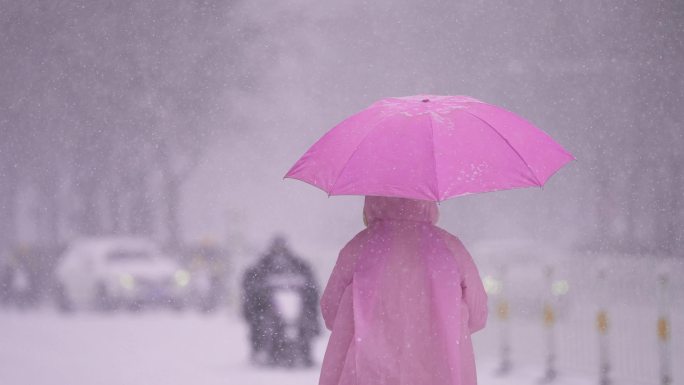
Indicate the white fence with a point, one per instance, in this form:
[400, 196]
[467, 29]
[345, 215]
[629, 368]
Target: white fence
[617, 319]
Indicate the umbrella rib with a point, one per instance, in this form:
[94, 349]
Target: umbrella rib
[354, 153]
[509, 145]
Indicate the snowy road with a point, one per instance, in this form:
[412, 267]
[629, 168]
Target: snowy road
[162, 348]
[132, 349]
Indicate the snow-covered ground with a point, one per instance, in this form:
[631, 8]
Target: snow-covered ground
[154, 348]
[43, 347]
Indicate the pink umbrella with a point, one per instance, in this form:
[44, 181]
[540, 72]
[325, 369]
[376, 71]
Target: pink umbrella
[432, 148]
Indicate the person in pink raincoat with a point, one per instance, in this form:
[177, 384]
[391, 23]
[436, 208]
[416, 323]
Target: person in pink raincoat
[402, 302]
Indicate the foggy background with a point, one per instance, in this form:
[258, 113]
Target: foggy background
[176, 121]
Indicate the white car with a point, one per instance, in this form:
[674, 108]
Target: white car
[105, 273]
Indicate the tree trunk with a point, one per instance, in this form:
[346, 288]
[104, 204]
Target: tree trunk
[115, 200]
[603, 207]
[89, 218]
[172, 199]
[673, 227]
[141, 214]
[48, 211]
[8, 207]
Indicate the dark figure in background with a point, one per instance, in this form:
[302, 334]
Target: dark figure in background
[280, 303]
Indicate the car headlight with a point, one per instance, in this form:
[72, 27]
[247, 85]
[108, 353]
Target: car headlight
[127, 281]
[560, 287]
[182, 278]
[491, 285]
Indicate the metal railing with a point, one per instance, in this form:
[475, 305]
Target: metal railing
[617, 319]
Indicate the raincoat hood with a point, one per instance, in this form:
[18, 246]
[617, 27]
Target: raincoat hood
[378, 208]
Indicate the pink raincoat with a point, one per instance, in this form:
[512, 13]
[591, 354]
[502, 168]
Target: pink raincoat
[402, 301]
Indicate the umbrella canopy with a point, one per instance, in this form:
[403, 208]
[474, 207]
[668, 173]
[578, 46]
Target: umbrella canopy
[430, 147]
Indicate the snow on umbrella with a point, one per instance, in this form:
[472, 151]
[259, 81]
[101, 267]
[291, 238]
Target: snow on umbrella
[432, 148]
